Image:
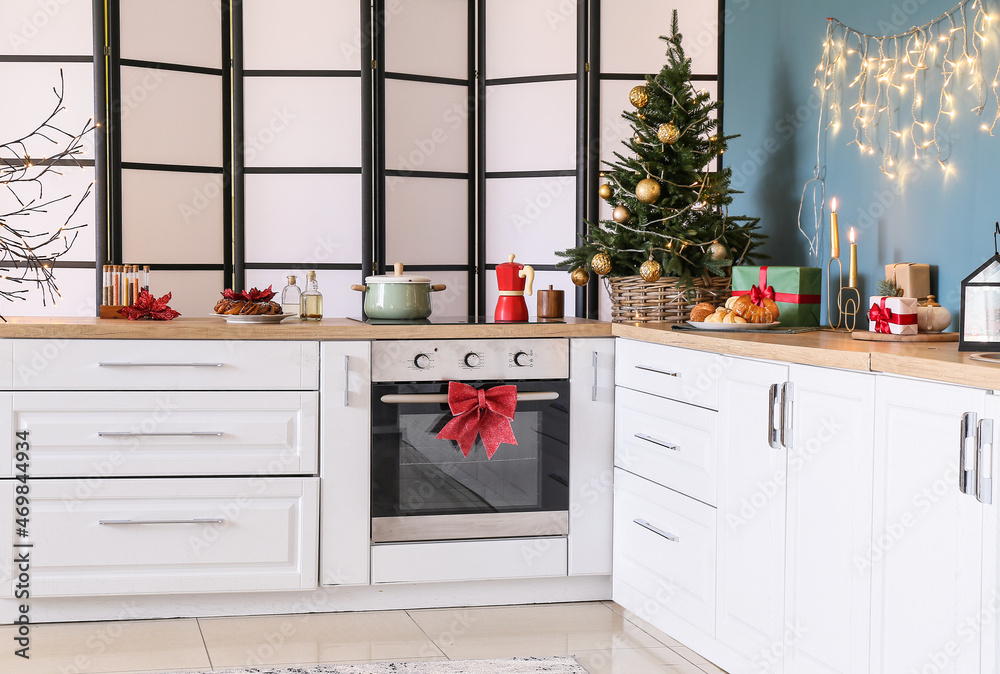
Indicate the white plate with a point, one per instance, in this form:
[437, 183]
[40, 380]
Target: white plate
[734, 327]
[236, 318]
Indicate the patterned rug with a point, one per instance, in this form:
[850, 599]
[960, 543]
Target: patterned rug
[559, 665]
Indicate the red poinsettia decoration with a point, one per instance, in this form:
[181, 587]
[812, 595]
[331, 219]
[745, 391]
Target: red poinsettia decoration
[147, 306]
[252, 295]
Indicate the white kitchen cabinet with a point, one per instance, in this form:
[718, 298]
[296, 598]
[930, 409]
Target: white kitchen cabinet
[163, 433]
[932, 594]
[751, 529]
[828, 522]
[160, 365]
[591, 497]
[345, 438]
[156, 536]
[669, 372]
[664, 552]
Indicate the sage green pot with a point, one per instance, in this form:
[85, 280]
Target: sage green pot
[398, 296]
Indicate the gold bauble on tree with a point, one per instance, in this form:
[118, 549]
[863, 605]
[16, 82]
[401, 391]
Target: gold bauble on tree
[650, 271]
[647, 191]
[601, 264]
[621, 215]
[604, 191]
[668, 133]
[718, 251]
[580, 276]
[639, 96]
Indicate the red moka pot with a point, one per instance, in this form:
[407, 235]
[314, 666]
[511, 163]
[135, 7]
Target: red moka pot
[514, 280]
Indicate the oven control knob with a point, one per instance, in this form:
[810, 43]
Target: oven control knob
[422, 361]
[521, 359]
[472, 360]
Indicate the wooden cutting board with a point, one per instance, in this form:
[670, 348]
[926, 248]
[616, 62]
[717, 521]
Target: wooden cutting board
[866, 336]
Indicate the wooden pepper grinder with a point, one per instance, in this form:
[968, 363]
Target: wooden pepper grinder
[550, 303]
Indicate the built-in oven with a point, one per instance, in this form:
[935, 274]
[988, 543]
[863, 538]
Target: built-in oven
[425, 488]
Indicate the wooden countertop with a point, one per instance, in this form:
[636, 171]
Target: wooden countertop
[933, 360]
[327, 329]
[937, 361]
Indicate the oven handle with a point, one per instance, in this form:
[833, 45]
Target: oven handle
[443, 397]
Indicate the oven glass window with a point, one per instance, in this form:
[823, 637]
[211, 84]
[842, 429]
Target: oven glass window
[414, 473]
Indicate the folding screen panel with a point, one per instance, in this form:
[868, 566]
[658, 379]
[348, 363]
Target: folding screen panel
[43, 42]
[629, 50]
[172, 139]
[530, 156]
[425, 109]
[300, 173]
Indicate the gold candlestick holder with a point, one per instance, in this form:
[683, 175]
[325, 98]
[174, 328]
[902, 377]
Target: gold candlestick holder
[848, 300]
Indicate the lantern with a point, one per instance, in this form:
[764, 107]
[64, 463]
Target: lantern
[979, 326]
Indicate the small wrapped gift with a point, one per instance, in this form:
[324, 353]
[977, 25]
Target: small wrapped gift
[796, 290]
[892, 315]
[913, 279]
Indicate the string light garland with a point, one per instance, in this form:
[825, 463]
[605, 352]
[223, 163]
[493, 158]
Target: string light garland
[878, 77]
[902, 91]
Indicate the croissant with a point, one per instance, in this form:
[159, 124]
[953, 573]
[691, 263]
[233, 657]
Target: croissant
[701, 311]
[744, 307]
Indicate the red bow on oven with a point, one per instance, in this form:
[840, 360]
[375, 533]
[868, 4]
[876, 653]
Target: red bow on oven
[757, 295]
[486, 413]
[880, 315]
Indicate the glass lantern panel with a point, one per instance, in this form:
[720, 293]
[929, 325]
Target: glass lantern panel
[989, 275]
[982, 314]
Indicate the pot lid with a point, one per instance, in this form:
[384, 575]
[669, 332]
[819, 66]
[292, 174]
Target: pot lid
[397, 277]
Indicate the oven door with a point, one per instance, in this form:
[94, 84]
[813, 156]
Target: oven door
[426, 489]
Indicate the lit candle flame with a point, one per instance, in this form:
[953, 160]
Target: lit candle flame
[850, 235]
[833, 205]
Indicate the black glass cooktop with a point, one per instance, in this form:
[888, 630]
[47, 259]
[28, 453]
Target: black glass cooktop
[451, 320]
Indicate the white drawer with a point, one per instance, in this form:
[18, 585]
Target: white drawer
[166, 433]
[155, 365]
[664, 551]
[469, 560]
[229, 535]
[679, 374]
[671, 443]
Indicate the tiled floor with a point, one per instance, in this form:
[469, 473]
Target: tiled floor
[597, 634]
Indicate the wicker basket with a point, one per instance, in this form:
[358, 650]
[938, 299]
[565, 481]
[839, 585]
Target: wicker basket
[636, 301]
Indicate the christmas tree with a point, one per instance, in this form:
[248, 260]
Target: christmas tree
[671, 212]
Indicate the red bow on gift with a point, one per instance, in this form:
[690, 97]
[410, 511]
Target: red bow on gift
[757, 295]
[880, 315]
[486, 413]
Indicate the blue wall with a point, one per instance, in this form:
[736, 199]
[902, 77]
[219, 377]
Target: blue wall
[771, 49]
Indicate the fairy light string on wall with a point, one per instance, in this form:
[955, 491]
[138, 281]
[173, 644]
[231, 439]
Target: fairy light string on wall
[900, 93]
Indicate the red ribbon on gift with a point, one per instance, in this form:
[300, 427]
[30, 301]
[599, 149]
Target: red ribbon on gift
[483, 412]
[757, 296]
[770, 293]
[882, 316]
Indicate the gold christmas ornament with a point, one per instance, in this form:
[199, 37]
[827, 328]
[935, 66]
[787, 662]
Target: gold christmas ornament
[639, 96]
[668, 133]
[620, 215]
[580, 276]
[604, 191]
[650, 271]
[601, 264]
[647, 191]
[718, 251]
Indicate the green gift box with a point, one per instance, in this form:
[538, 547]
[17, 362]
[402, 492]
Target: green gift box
[797, 291]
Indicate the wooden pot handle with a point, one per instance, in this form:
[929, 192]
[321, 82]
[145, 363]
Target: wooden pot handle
[360, 289]
[438, 288]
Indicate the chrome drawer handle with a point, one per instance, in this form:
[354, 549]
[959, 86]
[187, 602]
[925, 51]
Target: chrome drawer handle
[966, 463]
[657, 371]
[443, 397]
[106, 434]
[127, 364]
[660, 532]
[200, 520]
[661, 443]
[984, 462]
